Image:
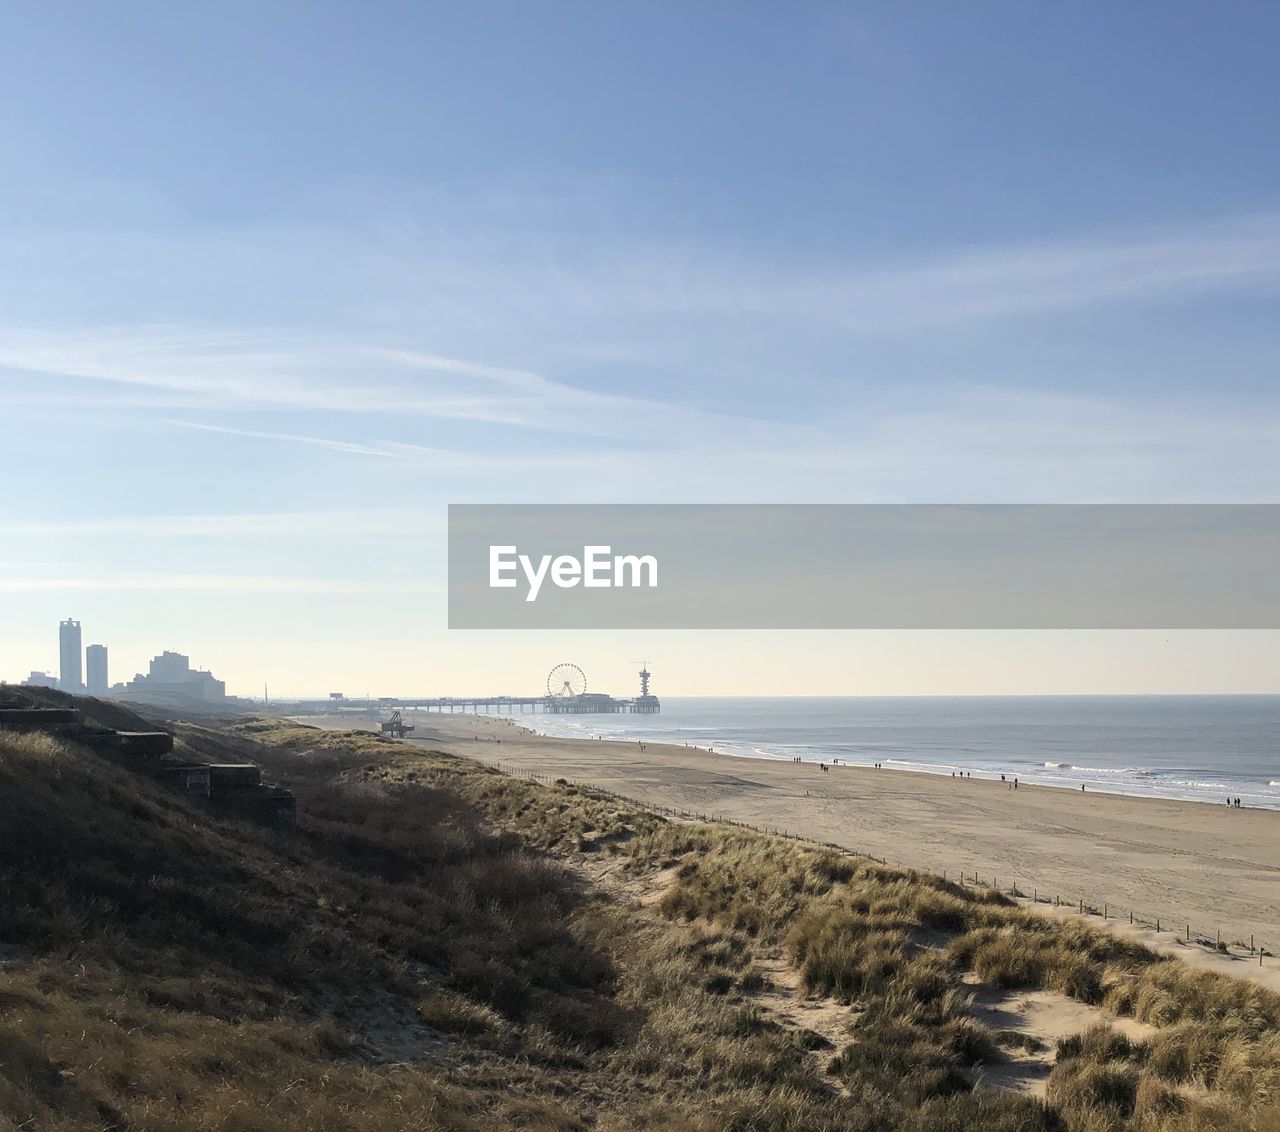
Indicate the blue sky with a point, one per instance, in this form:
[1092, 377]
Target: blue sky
[278, 282]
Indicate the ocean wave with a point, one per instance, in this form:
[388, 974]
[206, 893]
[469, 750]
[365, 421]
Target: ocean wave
[1097, 769]
[1192, 784]
[936, 757]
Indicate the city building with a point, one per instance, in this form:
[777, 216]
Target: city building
[171, 674]
[96, 670]
[41, 680]
[71, 669]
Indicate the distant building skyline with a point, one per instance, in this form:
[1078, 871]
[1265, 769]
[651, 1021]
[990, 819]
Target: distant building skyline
[171, 674]
[41, 679]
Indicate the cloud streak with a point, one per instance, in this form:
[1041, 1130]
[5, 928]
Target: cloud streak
[325, 524]
[332, 445]
[211, 583]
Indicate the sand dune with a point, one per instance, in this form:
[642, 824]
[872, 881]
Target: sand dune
[1212, 867]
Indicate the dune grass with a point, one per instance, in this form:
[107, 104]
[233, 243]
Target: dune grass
[442, 947]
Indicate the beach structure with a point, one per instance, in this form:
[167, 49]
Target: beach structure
[395, 727]
[236, 789]
[566, 695]
[646, 703]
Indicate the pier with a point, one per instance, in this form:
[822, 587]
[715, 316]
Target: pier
[566, 694]
[595, 704]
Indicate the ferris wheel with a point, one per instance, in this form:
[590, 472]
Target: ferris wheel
[566, 680]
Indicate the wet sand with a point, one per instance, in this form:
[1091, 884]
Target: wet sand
[1213, 867]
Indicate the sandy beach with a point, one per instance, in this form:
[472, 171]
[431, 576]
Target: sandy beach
[1212, 867]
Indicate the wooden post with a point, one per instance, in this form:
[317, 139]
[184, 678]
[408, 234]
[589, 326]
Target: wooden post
[1082, 905]
[1157, 923]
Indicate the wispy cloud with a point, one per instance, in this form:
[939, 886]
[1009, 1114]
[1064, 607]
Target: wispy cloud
[288, 437]
[987, 284]
[609, 290]
[365, 522]
[665, 304]
[339, 378]
[211, 583]
[355, 381]
[419, 454]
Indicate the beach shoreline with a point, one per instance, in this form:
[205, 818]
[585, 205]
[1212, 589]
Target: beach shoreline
[1214, 868]
[1192, 770]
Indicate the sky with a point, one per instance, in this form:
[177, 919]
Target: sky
[278, 282]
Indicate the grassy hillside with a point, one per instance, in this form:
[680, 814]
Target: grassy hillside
[441, 947]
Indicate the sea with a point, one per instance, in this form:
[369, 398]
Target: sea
[1196, 748]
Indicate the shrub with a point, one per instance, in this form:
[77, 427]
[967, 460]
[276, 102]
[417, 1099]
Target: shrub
[1081, 1085]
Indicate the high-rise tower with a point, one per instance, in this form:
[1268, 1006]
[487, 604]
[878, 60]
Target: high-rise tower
[95, 670]
[71, 669]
